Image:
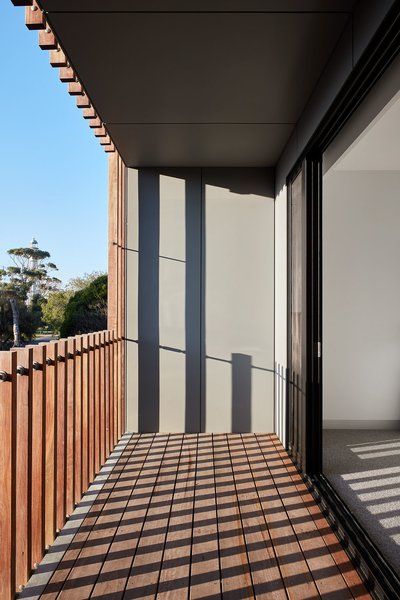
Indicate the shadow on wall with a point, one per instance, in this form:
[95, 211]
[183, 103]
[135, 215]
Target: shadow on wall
[191, 381]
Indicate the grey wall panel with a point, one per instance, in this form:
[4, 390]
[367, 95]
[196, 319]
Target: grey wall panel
[148, 300]
[180, 299]
[200, 296]
[172, 272]
[238, 267]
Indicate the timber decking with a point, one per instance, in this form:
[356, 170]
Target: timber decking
[197, 516]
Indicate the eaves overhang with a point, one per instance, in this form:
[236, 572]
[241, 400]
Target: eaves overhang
[191, 83]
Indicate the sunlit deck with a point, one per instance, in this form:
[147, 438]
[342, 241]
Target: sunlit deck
[199, 516]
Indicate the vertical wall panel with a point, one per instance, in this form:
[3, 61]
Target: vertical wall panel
[132, 268]
[238, 264]
[200, 291]
[172, 267]
[148, 300]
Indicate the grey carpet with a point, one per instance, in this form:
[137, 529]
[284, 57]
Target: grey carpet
[364, 468]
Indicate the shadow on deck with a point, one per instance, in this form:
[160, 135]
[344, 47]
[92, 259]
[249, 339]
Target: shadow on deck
[199, 516]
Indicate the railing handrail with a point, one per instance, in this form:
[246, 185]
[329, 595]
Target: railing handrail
[61, 414]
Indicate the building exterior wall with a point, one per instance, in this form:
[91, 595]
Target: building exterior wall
[116, 317]
[200, 300]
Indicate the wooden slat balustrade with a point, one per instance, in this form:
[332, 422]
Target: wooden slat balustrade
[60, 417]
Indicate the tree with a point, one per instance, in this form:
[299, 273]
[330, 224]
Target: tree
[30, 276]
[82, 281]
[86, 310]
[30, 318]
[54, 309]
[56, 302]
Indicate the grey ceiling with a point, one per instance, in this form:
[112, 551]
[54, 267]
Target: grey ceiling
[197, 5]
[209, 88]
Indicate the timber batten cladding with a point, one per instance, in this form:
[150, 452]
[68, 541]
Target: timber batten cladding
[117, 263]
[60, 417]
[35, 19]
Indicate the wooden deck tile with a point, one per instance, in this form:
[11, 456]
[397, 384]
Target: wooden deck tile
[235, 568]
[115, 570]
[145, 571]
[202, 516]
[205, 575]
[265, 572]
[61, 574]
[325, 572]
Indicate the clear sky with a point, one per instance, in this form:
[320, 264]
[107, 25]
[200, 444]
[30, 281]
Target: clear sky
[53, 171]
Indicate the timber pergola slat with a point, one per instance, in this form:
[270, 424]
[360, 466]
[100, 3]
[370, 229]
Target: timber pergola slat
[35, 19]
[201, 516]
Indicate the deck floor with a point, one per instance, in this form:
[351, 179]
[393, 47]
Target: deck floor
[197, 516]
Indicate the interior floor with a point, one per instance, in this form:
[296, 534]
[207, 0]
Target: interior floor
[364, 468]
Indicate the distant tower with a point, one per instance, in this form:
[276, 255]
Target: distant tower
[33, 264]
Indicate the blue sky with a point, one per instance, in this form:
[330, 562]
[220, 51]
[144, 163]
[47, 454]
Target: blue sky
[53, 171]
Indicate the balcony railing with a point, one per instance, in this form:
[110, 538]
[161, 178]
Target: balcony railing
[61, 414]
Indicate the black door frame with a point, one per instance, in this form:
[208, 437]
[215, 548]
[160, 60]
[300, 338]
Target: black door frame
[382, 50]
[292, 412]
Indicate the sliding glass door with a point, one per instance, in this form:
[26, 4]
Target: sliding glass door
[297, 236]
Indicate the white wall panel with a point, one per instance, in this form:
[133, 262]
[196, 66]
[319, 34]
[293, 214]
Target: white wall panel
[361, 296]
[201, 299]
[172, 303]
[239, 300]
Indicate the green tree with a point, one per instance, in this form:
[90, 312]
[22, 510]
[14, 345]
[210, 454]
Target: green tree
[54, 309]
[30, 276]
[56, 304]
[82, 281]
[86, 310]
[30, 318]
